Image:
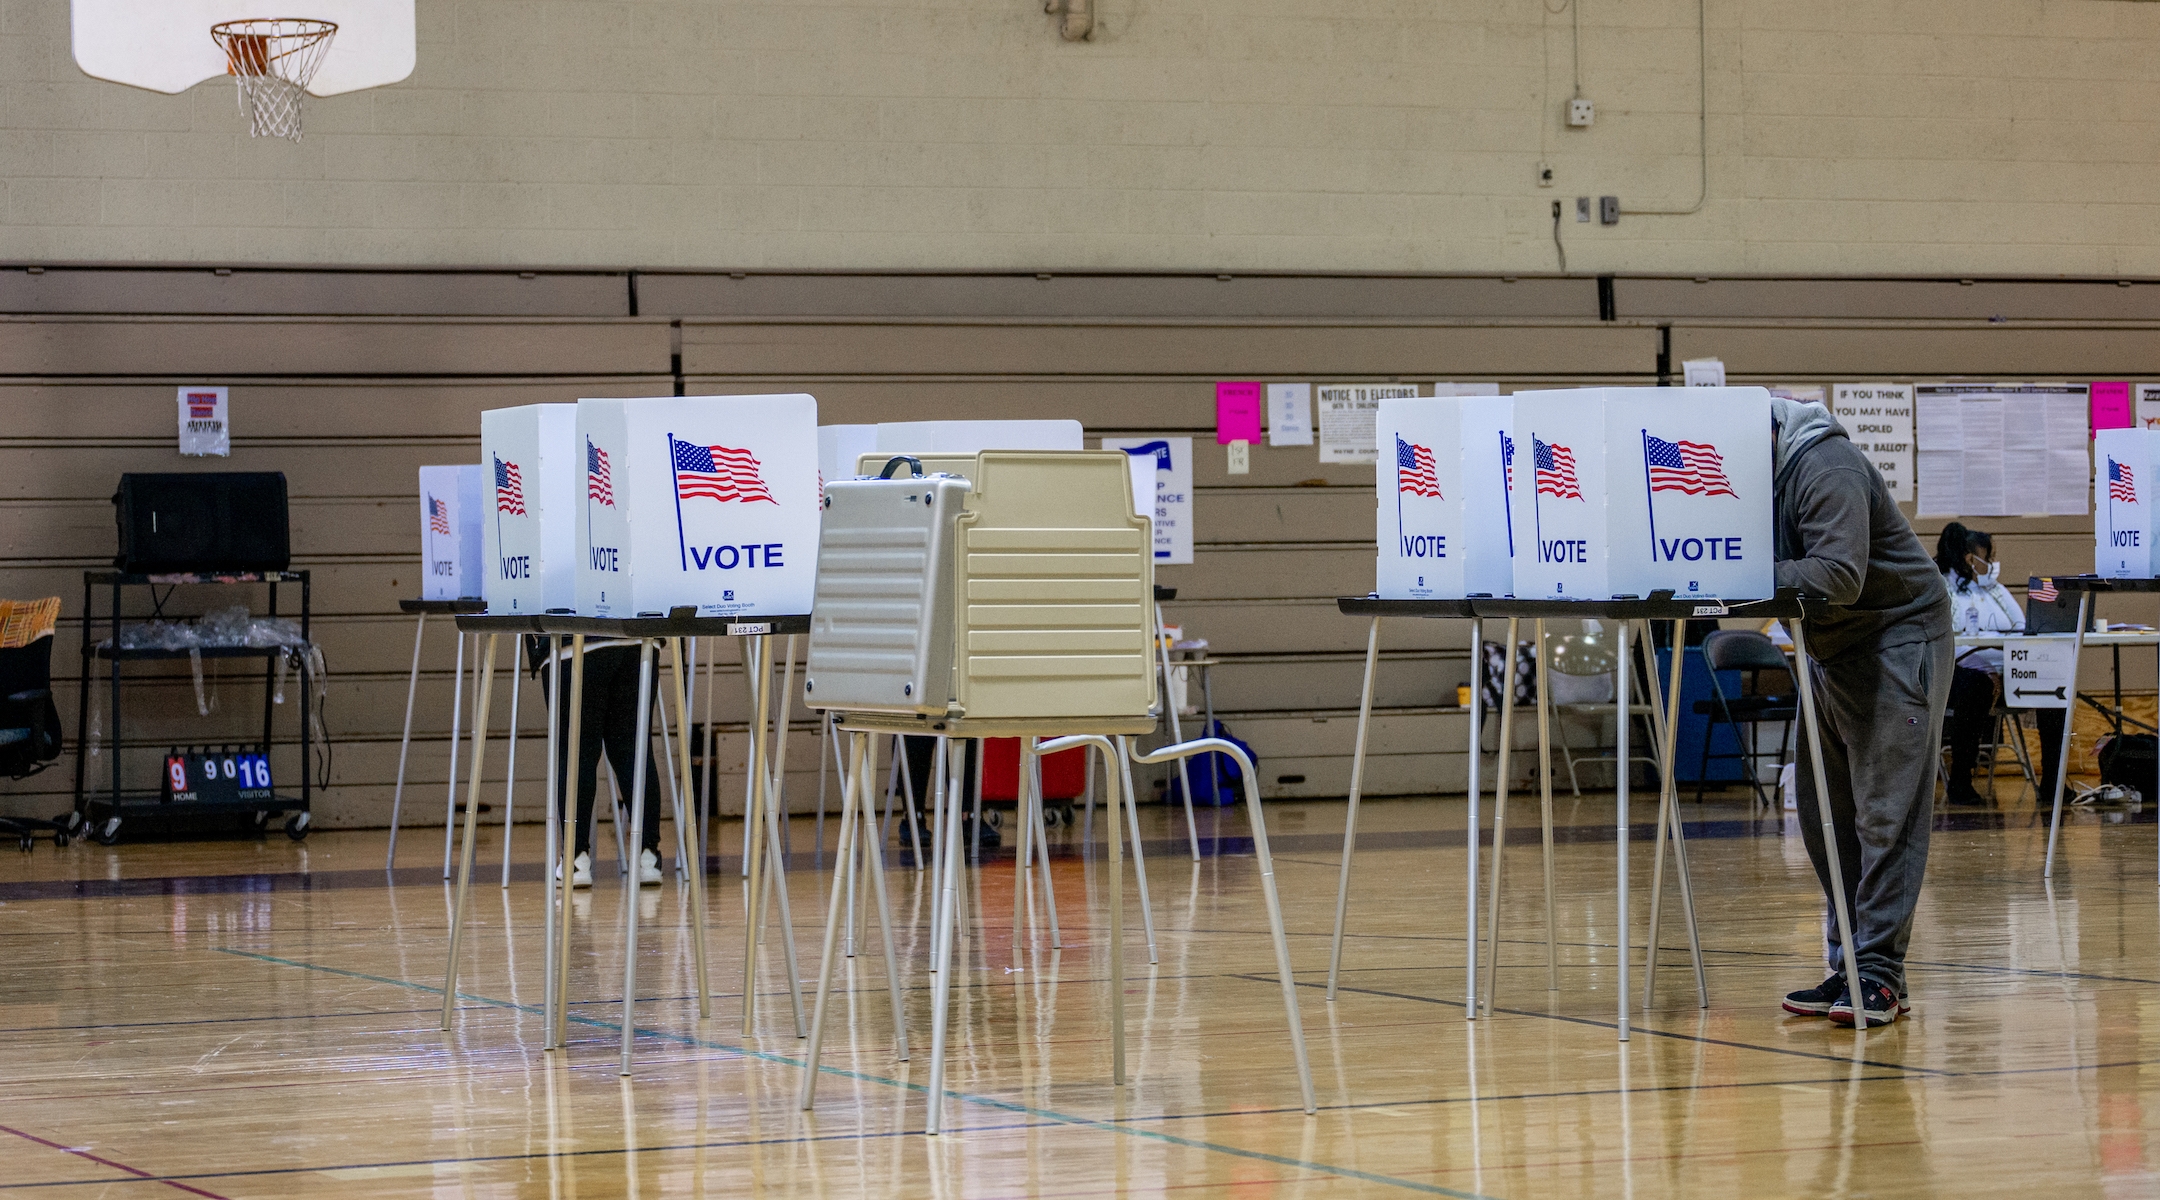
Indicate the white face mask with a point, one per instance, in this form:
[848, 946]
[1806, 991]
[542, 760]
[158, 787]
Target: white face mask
[1994, 571]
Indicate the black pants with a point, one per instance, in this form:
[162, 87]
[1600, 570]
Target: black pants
[1972, 699]
[609, 721]
[921, 765]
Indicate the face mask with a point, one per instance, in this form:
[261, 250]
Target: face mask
[1994, 571]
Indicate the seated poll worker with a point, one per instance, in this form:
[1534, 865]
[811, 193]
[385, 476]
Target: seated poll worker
[1979, 603]
[1882, 661]
[607, 720]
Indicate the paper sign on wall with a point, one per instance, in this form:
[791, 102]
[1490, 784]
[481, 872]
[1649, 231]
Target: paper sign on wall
[1466, 389]
[2148, 405]
[1347, 412]
[1879, 419]
[1703, 372]
[205, 423]
[1237, 413]
[2039, 672]
[1289, 414]
[1172, 457]
[2111, 405]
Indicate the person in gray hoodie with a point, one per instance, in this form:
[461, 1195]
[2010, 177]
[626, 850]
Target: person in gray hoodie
[1882, 666]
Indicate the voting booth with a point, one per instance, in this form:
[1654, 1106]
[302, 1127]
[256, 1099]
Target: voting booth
[838, 446]
[2123, 463]
[1446, 529]
[528, 463]
[450, 539]
[709, 501]
[1626, 491]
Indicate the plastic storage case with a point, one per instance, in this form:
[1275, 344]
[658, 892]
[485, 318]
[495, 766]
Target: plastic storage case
[881, 625]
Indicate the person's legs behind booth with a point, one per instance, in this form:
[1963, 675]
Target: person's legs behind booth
[1880, 713]
[608, 721]
[1972, 707]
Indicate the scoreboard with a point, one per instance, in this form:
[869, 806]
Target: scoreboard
[226, 775]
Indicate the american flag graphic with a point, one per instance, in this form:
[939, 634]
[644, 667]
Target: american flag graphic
[1691, 467]
[597, 486]
[1414, 470]
[2042, 589]
[2121, 484]
[1555, 470]
[509, 489]
[718, 473]
[1507, 460]
[438, 516]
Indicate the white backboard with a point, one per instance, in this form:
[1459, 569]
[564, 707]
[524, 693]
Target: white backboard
[165, 45]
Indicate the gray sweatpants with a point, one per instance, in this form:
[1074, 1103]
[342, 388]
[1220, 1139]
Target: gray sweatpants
[1881, 713]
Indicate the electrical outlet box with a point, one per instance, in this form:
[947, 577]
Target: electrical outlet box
[1608, 210]
[1582, 209]
[1544, 175]
[1581, 113]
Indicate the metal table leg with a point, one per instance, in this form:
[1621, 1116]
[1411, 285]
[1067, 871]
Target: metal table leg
[412, 690]
[472, 823]
[1499, 824]
[1470, 843]
[1803, 673]
[689, 836]
[553, 857]
[1139, 855]
[1620, 689]
[1177, 734]
[572, 730]
[2062, 760]
[517, 678]
[631, 882]
[1666, 719]
[1357, 784]
[457, 702]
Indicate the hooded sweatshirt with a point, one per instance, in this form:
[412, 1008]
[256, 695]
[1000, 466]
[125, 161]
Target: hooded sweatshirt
[1840, 536]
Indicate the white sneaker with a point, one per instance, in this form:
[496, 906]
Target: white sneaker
[581, 871]
[648, 868]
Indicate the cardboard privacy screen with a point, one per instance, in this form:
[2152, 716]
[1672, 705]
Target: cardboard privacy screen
[526, 460]
[710, 501]
[451, 548]
[2123, 461]
[1445, 525]
[1630, 490]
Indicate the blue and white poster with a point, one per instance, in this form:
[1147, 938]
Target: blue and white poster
[1173, 509]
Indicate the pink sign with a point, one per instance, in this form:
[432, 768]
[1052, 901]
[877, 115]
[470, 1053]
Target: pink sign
[2111, 405]
[1237, 413]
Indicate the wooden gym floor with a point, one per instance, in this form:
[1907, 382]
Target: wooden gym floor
[258, 1019]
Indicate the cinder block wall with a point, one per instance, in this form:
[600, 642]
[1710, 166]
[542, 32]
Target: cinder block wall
[1906, 136]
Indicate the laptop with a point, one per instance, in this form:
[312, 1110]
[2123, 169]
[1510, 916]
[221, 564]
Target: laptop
[2047, 610]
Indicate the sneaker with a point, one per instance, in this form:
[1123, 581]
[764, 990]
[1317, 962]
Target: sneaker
[649, 868]
[1816, 1001]
[1883, 1006]
[580, 871]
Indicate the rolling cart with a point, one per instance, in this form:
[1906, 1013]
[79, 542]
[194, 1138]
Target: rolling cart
[102, 812]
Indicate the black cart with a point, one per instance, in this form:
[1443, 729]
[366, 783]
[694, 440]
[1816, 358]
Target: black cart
[101, 812]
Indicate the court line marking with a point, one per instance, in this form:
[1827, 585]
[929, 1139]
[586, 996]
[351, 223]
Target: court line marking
[136, 1175]
[992, 1102]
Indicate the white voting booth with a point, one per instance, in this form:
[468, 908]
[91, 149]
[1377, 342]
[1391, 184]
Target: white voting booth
[709, 501]
[450, 538]
[1631, 490]
[2123, 464]
[529, 460]
[1445, 526]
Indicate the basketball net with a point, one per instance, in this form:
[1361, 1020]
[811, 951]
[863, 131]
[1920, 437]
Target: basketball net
[272, 60]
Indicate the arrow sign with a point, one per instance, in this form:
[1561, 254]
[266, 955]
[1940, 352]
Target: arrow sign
[2057, 693]
[2040, 672]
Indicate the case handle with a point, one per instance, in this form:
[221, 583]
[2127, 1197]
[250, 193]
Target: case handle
[896, 460]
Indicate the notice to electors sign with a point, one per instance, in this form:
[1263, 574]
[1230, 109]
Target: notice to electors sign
[1173, 509]
[2039, 672]
[1347, 413]
[205, 427]
[1879, 419]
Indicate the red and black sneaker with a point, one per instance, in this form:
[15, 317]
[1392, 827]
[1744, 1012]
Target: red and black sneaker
[1816, 1001]
[1882, 1004]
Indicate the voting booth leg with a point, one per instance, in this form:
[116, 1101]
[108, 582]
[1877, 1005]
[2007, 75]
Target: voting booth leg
[457, 708]
[2062, 759]
[1470, 842]
[552, 856]
[1499, 816]
[412, 691]
[685, 828]
[1177, 734]
[1803, 673]
[753, 856]
[573, 728]
[1544, 774]
[842, 858]
[876, 858]
[948, 888]
[1267, 890]
[517, 677]
[631, 883]
[486, 671]
[1117, 927]
[1620, 803]
[1042, 850]
[776, 884]
[1666, 723]
[1139, 856]
[1357, 786]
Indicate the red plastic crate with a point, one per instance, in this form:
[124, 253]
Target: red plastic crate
[1064, 774]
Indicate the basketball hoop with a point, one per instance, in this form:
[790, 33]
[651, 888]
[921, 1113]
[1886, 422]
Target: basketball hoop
[272, 60]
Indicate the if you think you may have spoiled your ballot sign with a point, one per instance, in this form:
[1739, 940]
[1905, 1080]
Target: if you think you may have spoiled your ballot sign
[709, 501]
[1633, 490]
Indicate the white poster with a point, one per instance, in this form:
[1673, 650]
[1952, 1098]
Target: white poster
[1465, 389]
[2002, 449]
[2148, 405]
[2039, 672]
[1805, 393]
[1289, 414]
[1347, 412]
[1173, 492]
[1879, 418]
[1703, 372]
[205, 423]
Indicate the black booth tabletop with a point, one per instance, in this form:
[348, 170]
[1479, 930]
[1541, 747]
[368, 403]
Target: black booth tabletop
[436, 608]
[677, 624]
[2095, 583]
[1658, 606]
[1373, 606]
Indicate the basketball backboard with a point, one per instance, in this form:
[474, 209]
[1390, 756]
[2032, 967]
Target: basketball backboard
[165, 45]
